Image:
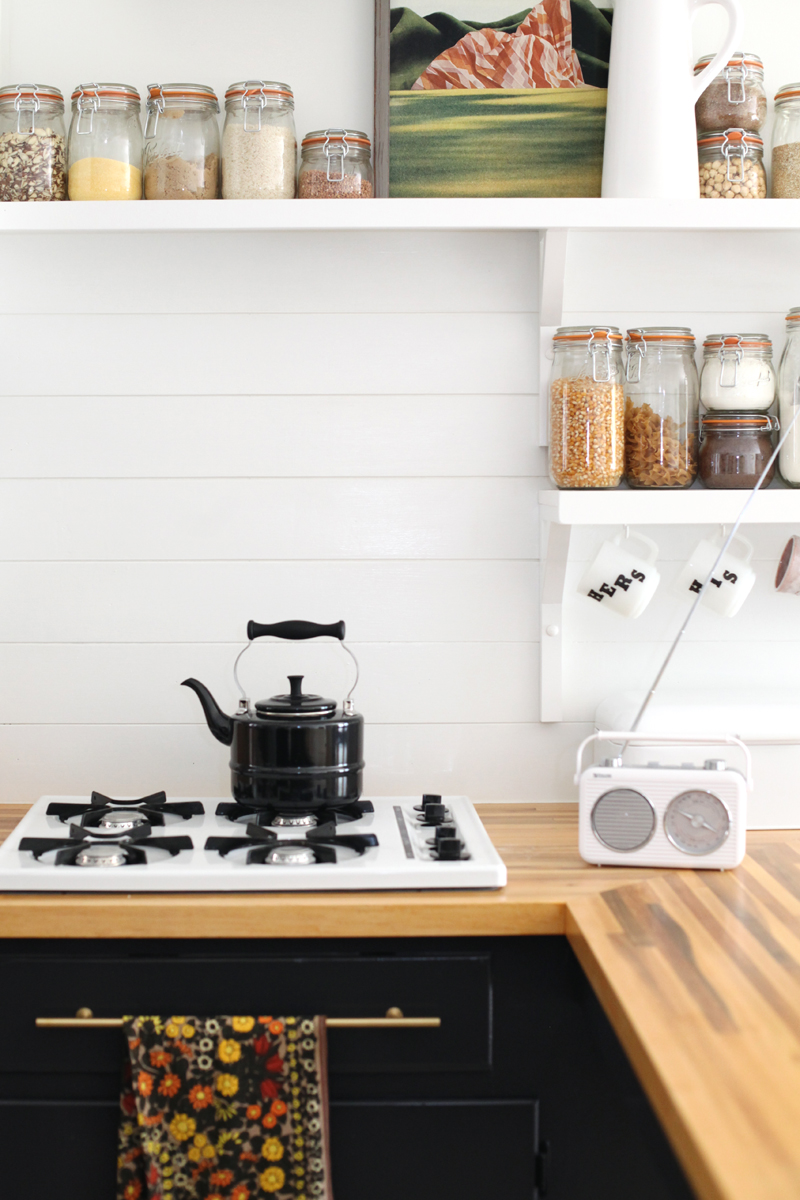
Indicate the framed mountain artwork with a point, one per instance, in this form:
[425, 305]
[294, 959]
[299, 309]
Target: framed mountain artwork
[476, 102]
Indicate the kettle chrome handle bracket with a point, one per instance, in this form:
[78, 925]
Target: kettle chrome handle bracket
[295, 631]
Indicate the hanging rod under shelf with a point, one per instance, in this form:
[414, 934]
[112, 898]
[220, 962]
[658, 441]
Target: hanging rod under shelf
[394, 1019]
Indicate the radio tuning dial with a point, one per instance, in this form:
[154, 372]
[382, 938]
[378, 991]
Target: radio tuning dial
[697, 822]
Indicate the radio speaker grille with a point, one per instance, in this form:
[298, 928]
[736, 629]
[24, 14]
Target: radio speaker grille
[623, 819]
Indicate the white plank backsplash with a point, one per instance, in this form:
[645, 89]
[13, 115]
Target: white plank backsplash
[198, 429]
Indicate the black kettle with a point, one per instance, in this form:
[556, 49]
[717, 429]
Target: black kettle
[295, 752]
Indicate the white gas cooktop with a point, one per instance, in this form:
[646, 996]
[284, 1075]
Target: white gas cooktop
[156, 844]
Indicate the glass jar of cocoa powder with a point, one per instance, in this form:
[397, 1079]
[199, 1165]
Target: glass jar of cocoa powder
[587, 429]
[335, 165]
[33, 145]
[736, 448]
[661, 405]
[734, 98]
[181, 142]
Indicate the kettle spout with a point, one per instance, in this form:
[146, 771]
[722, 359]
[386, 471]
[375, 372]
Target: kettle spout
[219, 723]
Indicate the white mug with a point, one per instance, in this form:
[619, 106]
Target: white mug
[620, 580]
[731, 583]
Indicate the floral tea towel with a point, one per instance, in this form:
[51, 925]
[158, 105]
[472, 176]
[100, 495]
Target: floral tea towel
[226, 1108]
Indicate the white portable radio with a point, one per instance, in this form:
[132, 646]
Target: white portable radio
[660, 816]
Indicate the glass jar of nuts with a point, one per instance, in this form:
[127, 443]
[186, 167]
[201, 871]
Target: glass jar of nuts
[731, 165]
[587, 424]
[33, 147]
[736, 97]
[661, 406]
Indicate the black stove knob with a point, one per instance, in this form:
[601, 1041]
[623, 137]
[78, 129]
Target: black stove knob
[428, 798]
[434, 814]
[449, 848]
[445, 831]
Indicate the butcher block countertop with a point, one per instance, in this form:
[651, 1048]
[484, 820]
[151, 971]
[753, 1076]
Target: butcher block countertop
[698, 971]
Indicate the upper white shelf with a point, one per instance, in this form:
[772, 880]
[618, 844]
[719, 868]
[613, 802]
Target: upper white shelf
[156, 216]
[695, 506]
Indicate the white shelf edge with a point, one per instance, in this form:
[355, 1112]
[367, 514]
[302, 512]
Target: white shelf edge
[696, 506]
[585, 214]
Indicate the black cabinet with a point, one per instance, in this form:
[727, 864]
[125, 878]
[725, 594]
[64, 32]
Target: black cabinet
[524, 1061]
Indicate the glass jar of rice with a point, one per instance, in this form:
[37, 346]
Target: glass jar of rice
[259, 143]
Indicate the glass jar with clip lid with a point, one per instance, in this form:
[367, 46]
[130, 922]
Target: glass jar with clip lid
[736, 97]
[105, 143]
[33, 149]
[737, 372]
[587, 422]
[335, 165]
[786, 143]
[181, 142]
[661, 408]
[789, 399]
[259, 143]
[731, 165]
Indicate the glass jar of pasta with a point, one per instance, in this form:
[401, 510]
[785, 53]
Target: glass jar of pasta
[661, 408]
[105, 143]
[587, 425]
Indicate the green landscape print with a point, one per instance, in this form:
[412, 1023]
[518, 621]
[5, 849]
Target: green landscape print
[507, 108]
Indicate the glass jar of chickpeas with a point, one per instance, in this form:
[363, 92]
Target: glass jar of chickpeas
[731, 165]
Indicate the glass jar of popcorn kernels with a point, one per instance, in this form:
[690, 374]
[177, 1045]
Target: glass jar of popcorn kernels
[731, 165]
[587, 430]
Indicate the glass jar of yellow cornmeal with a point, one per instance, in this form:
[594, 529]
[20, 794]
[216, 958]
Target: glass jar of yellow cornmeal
[105, 143]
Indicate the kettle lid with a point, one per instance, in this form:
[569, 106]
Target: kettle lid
[296, 703]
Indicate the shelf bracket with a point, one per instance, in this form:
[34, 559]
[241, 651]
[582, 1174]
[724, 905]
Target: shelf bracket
[552, 268]
[555, 553]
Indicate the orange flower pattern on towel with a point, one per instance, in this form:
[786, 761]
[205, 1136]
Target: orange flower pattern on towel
[538, 55]
[238, 1114]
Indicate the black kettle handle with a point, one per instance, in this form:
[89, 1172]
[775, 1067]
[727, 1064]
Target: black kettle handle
[295, 631]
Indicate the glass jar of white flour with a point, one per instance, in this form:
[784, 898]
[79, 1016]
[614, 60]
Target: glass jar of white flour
[737, 374]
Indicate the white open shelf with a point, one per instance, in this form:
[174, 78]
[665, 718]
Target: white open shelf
[695, 506]
[156, 216]
[560, 511]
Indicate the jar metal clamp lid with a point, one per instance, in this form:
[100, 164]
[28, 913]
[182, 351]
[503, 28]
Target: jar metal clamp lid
[739, 421]
[732, 144]
[89, 97]
[336, 144]
[599, 339]
[160, 95]
[739, 66]
[253, 95]
[27, 98]
[677, 336]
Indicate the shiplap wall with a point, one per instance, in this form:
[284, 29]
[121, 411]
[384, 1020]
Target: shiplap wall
[200, 429]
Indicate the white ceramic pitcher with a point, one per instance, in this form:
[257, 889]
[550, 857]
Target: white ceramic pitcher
[651, 140]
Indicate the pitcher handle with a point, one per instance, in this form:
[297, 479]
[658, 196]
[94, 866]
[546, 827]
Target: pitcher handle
[735, 28]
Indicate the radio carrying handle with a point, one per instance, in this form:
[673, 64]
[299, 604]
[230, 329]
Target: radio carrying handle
[666, 739]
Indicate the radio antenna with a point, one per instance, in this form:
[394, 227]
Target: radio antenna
[720, 556]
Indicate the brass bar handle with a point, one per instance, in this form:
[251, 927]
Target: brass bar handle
[394, 1019]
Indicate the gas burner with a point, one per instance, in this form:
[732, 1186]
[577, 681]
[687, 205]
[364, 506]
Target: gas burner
[326, 818]
[103, 816]
[123, 852]
[263, 847]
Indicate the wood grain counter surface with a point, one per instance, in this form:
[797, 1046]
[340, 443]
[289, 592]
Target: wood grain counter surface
[698, 971]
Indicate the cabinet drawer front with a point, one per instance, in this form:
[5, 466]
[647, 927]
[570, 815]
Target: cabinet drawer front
[428, 1150]
[456, 988]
